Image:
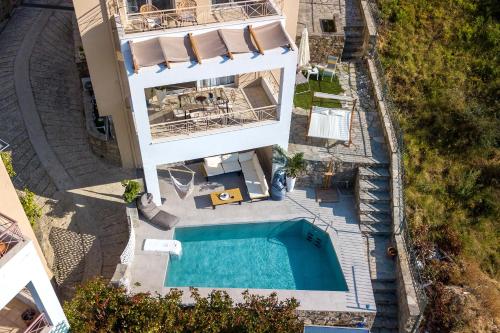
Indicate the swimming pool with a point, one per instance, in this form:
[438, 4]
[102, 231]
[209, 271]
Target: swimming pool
[294, 255]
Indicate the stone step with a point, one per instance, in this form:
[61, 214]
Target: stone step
[374, 196]
[374, 184]
[385, 323]
[374, 208]
[384, 285]
[388, 310]
[373, 172]
[374, 218]
[376, 228]
[385, 298]
[383, 330]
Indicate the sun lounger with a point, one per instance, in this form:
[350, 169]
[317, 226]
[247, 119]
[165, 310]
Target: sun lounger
[163, 245]
[155, 215]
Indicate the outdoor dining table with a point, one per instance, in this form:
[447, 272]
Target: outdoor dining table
[198, 99]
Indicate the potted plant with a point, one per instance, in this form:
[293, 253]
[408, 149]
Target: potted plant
[132, 190]
[294, 166]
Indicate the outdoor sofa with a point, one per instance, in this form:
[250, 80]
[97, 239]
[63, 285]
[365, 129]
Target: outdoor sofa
[247, 163]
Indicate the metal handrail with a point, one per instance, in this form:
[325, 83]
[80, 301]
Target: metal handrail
[201, 124]
[10, 234]
[38, 325]
[197, 15]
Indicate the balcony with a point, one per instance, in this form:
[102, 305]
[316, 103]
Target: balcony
[185, 110]
[187, 14]
[10, 234]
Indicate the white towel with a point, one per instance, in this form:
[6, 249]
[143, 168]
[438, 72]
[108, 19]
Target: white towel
[163, 245]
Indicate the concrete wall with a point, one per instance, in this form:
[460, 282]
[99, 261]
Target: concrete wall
[98, 42]
[11, 207]
[291, 12]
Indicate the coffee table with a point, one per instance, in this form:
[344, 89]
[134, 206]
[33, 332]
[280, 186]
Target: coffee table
[234, 196]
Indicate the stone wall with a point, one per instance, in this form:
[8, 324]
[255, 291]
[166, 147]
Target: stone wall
[344, 173]
[330, 318]
[106, 149]
[321, 46]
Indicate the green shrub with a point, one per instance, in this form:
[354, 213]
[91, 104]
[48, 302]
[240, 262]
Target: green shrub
[31, 208]
[7, 161]
[132, 190]
[97, 307]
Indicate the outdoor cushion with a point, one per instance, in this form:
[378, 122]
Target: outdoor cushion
[246, 156]
[230, 158]
[231, 166]
[255, 180]
[213, 166]
[156, 216]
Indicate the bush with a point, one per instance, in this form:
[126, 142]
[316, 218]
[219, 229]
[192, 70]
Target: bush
[132, 190]
[31, 208]
[7, 161]
[98, 307]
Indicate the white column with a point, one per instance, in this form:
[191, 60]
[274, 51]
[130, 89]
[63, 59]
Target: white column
[152, 182]
[287, 91]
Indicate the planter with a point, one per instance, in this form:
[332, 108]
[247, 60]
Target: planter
[28, 316]
[290, 183]
[392, 252]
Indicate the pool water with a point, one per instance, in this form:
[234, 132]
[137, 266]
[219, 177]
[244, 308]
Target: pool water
[292, 255]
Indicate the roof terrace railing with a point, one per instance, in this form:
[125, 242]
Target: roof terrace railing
[38, 325]
[195, 15]
[10, 234]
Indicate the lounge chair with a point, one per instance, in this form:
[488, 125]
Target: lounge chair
[255, 179]
[331, 67]
[155, 215]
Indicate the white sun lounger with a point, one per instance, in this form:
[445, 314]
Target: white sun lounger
[163, 245]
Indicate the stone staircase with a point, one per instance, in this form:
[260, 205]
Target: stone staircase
[374, 209]
[354, 31]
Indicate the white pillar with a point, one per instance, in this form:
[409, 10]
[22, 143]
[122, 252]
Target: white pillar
[152, 182]
[287, 91]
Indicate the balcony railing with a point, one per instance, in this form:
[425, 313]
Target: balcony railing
[10, 234]
[197, 15]
[207, 123]
[38, 325]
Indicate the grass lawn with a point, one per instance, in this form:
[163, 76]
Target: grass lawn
[303, 100]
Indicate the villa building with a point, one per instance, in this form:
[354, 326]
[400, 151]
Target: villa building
[184, 80]
[28, 302]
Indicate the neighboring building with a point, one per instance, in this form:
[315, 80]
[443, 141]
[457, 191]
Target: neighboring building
[25, 288]
[184, 80]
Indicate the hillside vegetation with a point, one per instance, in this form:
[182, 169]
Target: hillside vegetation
[442, 64]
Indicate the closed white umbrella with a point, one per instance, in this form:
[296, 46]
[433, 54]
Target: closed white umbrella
[304, 52]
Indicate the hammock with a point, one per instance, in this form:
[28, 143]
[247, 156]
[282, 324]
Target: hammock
[182, 190]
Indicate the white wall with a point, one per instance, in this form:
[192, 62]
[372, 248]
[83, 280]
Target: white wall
[22, 267]
[213, 143]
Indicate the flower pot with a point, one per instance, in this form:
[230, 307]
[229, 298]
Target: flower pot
[28, 316]
[290, 183]
[392, 252]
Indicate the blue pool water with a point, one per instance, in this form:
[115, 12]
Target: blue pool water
[276, 255]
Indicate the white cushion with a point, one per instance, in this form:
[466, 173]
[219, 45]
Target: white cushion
[254, 178]
[230, 158]
[213, 166]
[246, 156]
[231, 166]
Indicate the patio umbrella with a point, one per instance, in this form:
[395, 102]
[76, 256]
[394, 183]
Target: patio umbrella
[304, 53]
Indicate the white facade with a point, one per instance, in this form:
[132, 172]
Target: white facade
[21, 267]
[204, 144]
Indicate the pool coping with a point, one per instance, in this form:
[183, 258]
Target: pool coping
[152, 267]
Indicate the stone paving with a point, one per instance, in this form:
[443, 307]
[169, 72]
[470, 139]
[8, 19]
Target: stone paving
[84, 228]
[367, 137]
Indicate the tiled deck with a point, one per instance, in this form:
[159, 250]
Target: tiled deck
[149, 268]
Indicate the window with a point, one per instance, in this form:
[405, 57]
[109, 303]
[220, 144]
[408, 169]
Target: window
[133, 6]
[328, 25]
[219, 81]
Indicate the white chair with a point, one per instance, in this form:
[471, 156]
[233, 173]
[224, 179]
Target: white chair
[331, 67]
[313, 71]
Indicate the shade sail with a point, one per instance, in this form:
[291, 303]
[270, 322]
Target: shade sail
[217, 43]
[333, 124]
[176, 49]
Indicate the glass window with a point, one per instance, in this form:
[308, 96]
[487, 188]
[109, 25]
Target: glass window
[219, 81]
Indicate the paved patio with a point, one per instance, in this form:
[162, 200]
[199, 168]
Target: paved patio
[148, 268]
